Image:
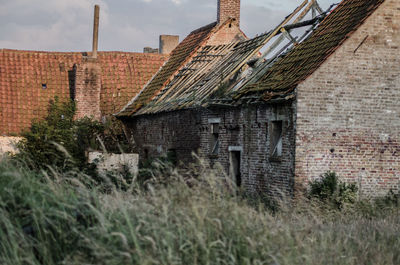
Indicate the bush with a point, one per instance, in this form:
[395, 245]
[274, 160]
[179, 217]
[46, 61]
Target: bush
[330, 190]
[61, 141]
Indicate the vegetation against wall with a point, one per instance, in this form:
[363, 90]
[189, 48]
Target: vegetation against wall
[61, 141]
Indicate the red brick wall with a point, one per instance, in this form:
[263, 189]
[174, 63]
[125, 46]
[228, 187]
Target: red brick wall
[228, 9]
[87, 89]
[348, 118]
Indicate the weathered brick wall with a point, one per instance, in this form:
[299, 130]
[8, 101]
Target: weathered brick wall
[228, 9]
[227, 34]
[247, 128]
[87, 89]
[155, 135]
[348, 117]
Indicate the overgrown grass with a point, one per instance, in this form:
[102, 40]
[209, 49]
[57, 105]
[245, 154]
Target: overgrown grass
[58, 218]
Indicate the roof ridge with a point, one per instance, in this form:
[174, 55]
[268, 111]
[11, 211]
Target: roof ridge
[36, 51]
[5, 50]
[211, 25]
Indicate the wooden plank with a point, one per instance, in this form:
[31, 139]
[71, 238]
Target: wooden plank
[181, 85]
[281, 38]
[288, 36]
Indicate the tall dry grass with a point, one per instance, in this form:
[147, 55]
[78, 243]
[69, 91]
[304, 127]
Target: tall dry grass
[60, 218]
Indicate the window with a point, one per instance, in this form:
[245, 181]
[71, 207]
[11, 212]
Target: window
[44, 86]
[214, 141]
[275, 140]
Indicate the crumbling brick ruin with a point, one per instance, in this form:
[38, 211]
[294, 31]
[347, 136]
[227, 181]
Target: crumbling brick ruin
[327, 103]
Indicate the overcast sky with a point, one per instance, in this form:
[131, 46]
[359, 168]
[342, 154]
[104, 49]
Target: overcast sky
[125, 25]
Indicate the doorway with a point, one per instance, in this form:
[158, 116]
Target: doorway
[234, 167]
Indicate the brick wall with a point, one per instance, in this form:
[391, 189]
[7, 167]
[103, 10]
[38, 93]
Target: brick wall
[228, 9]
[226, 34]
[348, 117]
[87, 88]
[246, 129]
[155, 135]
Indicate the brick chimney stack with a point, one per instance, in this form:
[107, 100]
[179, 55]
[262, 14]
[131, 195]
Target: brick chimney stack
[87, 79]
[228, 9]
[168, 43]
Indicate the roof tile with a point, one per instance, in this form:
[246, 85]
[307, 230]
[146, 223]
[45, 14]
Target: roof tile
[23, 73]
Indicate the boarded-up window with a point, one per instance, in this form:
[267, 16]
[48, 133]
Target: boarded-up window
[275, 133]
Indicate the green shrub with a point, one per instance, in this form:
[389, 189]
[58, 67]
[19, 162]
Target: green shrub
[330, 189]
[61, 141]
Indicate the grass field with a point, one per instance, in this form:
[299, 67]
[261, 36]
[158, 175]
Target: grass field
[59, 218]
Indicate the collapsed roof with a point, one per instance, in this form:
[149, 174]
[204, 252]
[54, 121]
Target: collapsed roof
[236, 73]
[182, 55]
[305, 58]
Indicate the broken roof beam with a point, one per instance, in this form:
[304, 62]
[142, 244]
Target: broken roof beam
[302, 24]
[288, 28]
[288, 36]
[316, 8]
[233, 67]
[180, 85]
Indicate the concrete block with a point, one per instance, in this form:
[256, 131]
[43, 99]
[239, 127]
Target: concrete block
[115, 162]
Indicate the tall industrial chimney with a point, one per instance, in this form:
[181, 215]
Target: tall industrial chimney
[96, 31]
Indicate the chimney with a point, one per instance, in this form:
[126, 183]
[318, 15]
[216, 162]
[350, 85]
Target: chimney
[168, 43]
[150, 50]
[228, 9]
[96, 31]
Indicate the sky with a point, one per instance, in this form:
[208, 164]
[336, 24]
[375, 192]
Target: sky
[125, 25]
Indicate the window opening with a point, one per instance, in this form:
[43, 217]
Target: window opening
[44, 86]
[234, 160]
[276, 139]
[215, 142]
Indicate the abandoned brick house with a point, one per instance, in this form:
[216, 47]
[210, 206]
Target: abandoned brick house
[326, 100]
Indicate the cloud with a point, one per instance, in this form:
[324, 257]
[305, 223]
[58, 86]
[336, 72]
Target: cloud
[48, 25]
[129, 25]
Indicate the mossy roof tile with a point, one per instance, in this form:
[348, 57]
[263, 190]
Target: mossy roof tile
[309, 55]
